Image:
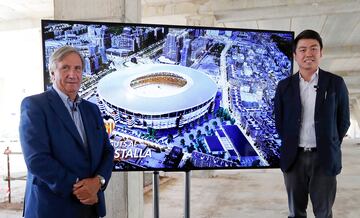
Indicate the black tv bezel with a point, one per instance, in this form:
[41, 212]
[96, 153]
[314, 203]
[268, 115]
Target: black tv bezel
[44, 22]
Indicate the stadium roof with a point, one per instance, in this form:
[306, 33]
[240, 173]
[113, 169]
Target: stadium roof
[115, 89]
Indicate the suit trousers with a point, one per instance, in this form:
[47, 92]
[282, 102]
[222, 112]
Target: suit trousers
[305, 178]
[87, 211]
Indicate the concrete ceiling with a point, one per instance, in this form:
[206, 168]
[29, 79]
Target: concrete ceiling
[337, 21]
[19, 14]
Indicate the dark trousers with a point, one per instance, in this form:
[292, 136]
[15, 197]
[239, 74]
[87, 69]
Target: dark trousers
[87, 211]
[307, 178]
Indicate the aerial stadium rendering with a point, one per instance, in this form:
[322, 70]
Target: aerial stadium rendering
[180, 98]
[157, 95]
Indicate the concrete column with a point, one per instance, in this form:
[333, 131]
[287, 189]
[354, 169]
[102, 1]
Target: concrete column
[135, 195]
[116, 196]
[98, 10]
[354, 130]
[124, 194]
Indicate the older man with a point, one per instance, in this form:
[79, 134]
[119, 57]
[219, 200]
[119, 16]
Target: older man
[66, 149]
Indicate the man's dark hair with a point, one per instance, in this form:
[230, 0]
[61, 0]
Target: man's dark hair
[307, 34]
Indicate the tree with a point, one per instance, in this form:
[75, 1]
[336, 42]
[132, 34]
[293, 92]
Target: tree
[198, 122]
[206, 128]
[187, 129]
[170, 138]
[206, 117]
[198, 133]
[191, 148]
[149, 130]
[214, 123]
[220, 112]
[191, 137]
[180, 132]
[227, 115]
[152, 132]
[182, 142]
[192, 125]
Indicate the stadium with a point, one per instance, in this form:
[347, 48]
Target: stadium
[160, 96]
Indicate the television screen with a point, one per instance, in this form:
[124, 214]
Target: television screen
[177, 98]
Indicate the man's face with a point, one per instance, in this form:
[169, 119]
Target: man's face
[68, 75]
[308, 54]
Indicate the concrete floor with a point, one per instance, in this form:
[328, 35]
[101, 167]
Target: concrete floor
[252, 193]
[245, 193]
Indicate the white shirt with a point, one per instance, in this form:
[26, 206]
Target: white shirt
[308, 97]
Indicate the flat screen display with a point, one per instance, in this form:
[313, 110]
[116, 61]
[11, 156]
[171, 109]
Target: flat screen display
[178, 98]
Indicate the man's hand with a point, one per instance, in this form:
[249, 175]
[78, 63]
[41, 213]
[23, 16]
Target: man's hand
[86, 190]
[90, 201]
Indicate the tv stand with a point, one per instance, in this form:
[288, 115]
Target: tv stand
[156, 194]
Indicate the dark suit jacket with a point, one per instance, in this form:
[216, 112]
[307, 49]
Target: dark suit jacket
[332, 119]
[55, 155]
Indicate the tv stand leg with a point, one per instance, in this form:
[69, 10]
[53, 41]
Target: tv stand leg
[156, 194]
[187, 194]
